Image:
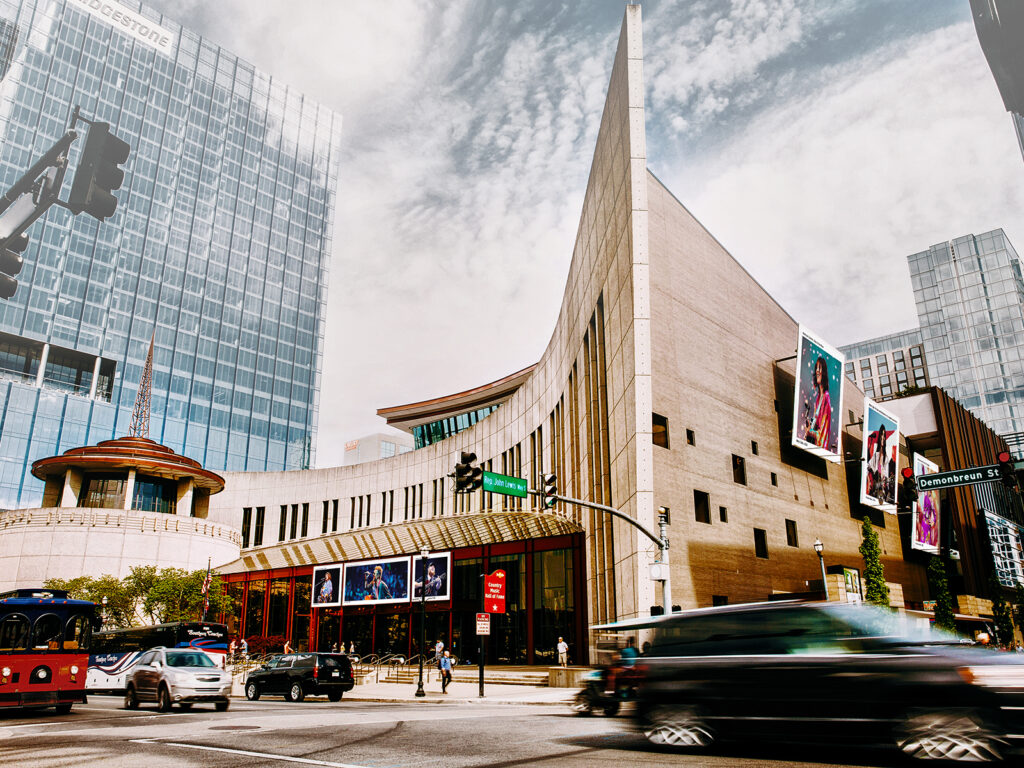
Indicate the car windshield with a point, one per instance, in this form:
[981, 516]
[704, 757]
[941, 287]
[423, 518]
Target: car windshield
[871, 621]
[189, 659]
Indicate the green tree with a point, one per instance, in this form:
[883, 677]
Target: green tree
[121, 598]
[176, 595]
[876, 590]
[1001, 612]
[938, 582]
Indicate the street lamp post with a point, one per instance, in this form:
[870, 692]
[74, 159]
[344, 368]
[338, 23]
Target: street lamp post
[423, 618]
[103, 609]
[819, 548]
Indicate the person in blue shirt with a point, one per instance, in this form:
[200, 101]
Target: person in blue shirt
[446, 671]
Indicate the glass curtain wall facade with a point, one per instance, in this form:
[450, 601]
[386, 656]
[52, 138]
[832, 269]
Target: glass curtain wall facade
[219, 247]
[970, 302]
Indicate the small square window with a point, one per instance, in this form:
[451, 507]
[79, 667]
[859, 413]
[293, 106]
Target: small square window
[791, 537]
[701, 507]
[775, 480]
[761, 543]
[691, 439]
[753, 447]
[659, 430]
[719, 600]
[723, 514]
[739, 470]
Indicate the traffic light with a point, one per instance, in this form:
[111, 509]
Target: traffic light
[467, 477]
[98, 174]
[908, 493]
[11, 263]
[550, 490]
[476, 475]
[1006, 472]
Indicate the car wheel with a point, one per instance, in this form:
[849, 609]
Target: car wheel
[186, 705]
[163, 700]
[612, 709]
[222, 706]
[295, 693]
[131, 700]
[252, 691]
[677, 726]
[63, 709]
[582, 704]
[334, 696]
[943, 735]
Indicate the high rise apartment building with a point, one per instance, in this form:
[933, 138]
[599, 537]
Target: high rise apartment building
[219, 248]
[970, 304]
[886, 366]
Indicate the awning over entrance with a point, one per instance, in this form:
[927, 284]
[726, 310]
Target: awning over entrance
[435, 534]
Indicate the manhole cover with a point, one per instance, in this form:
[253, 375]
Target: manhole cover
[234, 728]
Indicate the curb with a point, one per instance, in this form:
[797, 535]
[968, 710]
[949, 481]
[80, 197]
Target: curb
[477, 700]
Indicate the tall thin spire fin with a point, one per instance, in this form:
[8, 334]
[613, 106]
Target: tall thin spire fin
[140, 413]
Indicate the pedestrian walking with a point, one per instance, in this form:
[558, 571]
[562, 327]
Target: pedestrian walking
[563, 653]
[446, 671]
[288, 646]
[438, 651]
[352, 647]
[244, 647]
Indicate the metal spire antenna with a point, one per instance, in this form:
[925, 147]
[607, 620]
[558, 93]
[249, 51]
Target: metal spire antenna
[140, 413]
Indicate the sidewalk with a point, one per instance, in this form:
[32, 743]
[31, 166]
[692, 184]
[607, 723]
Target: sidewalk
[462, 693]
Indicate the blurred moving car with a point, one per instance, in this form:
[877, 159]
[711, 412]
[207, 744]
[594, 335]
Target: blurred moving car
[179, 676]
[297, 675]
[819, 671]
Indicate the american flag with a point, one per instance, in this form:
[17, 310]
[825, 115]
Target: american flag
[206, 590]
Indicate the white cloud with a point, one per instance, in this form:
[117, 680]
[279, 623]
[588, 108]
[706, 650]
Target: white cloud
[469, 130]
[823, 197]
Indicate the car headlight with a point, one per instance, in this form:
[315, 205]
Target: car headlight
[74, 669]
[994, 675]
[6, 671]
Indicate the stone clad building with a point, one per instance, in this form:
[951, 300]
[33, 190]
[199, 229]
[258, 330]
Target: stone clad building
[668, 381]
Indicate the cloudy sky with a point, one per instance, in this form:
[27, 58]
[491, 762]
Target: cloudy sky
[821, 141]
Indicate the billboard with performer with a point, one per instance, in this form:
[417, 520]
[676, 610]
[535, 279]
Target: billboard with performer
[924, 531]
[326, 586]
[818, 393]
[377, 581]
[438, 581]
[879, 458]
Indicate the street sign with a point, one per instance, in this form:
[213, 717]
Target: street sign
[957, 477]
[506, 485]
[494, 592]
[483, 623]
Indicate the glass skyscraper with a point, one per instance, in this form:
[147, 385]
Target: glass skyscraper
[970, 305]
[219, 248]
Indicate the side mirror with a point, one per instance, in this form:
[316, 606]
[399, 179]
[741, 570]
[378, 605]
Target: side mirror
[156, 665]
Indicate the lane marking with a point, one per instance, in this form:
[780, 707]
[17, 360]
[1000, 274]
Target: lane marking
[247, 753]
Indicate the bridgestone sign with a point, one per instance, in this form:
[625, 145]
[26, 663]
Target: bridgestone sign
[958, 477]
[130, 23]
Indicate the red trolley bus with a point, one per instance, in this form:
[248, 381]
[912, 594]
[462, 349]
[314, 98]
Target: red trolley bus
[44, 648]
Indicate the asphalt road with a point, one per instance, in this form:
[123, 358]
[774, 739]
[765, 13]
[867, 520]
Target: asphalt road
[277, 734]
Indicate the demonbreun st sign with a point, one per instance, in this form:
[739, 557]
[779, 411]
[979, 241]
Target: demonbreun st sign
[958, 477]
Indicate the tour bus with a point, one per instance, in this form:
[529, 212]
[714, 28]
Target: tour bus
[44, 648]
[115, 652]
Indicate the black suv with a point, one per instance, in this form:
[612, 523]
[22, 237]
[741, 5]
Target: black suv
[819, 671]
[297, 675]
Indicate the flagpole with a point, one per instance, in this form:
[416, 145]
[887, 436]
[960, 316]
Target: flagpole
[206, 590]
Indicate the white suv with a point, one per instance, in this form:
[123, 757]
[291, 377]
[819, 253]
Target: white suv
[179, 676]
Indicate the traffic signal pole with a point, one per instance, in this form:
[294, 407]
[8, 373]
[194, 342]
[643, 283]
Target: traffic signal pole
[660, 539]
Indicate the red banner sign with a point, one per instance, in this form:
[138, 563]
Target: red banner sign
[494, 592]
